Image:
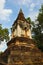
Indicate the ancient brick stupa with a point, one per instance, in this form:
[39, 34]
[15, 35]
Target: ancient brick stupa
[22, 50]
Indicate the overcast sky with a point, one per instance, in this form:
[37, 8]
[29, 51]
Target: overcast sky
[9, 10]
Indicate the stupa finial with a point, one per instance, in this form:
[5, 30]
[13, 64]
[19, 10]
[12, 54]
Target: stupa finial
[20, 10]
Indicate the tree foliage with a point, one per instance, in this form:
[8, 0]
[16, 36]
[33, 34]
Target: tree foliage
[30, 21]
[40, 16]
[38, 29]
[4, 34]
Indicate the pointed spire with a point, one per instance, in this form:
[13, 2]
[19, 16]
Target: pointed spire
[20, 11]
[21, 15]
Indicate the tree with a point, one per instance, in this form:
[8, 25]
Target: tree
[40, 16]
[38, 28]
[30, 21]
[4, 34]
